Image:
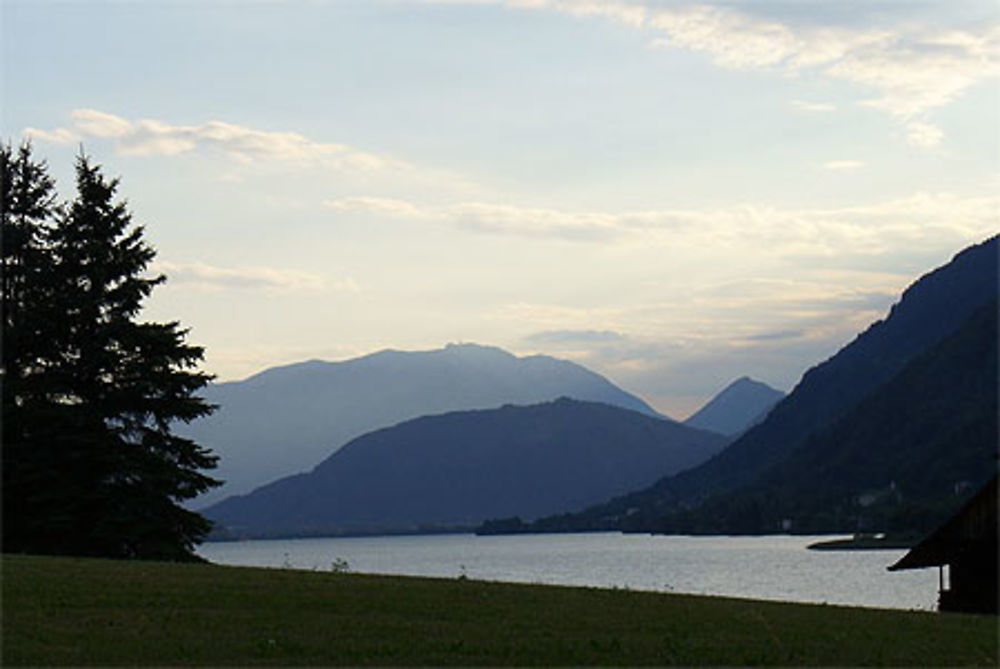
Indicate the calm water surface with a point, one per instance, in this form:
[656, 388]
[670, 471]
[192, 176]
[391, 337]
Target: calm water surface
[774, 567]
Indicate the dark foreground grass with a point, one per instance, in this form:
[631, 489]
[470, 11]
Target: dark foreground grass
[59, 611]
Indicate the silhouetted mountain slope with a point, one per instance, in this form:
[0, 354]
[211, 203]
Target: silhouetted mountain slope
[902, 460]
[742, 404]
[462, 468]
[929, 310]
[287, 419]
[933, 308]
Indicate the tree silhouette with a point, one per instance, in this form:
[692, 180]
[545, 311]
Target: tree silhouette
[92, 465]
[27, 204]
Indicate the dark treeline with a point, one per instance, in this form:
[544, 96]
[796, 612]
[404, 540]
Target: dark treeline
[90, 464]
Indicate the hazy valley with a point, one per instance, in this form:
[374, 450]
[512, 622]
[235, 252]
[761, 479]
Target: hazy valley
[891, 434]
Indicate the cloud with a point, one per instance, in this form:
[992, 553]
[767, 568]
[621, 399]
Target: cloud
[485, 217]
[779, 335]
[57, 136]
[552, 317]
[807, 106]
[815, 297]
[919, 72]
[678, 351]
[911, 70]
[923, 219]
[150, 137]
[250, 278]
[843, 165]
[919, 133]
[911, 73]
[379, 206]
[562, 337]
[739, 41]
[747, 312]
[629, 14]
[93, 123]
[678, 369]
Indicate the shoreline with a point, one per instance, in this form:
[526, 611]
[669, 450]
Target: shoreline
[864, 543]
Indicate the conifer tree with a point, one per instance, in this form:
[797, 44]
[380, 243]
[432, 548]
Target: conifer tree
[27, 203]
[111, 388]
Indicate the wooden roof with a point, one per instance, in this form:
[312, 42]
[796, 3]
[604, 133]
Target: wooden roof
[973, 527]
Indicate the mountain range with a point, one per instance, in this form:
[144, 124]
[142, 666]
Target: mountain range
[890, 433]
[286, 420]
[462, 468]
[893, 429]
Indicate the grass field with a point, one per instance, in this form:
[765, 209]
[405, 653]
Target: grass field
[59, 611]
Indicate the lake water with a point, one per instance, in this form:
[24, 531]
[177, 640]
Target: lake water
[772, 567]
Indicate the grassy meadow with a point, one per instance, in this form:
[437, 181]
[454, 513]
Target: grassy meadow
[66, 611]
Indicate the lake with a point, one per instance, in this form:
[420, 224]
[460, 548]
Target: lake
[771, 567]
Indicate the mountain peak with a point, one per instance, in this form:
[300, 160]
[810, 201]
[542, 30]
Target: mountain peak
[470, 346]
[740, 405]
[470, 349]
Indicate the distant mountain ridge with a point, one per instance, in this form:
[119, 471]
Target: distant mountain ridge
[934, 308]
[462, 468]
[739, 406]
[287, 419]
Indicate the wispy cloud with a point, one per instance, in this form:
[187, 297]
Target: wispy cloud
[493, 218]
[57, 136]
[552, 317]
[741, 312]
[148, 137]
[807, 106]
[923, 71]
[677, 351]
[919, 133]
[822, 294]
[250, 278]
[779, 335]
[923, 218]
[912, 70]
[574, 337]
[737, 40]
[383, 206]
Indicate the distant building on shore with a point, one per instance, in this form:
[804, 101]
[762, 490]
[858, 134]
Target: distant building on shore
[967, 545]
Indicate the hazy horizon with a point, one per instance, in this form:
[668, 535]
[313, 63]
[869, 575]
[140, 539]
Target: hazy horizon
[673, 194]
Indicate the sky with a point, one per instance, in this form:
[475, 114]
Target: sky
[674, 194]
